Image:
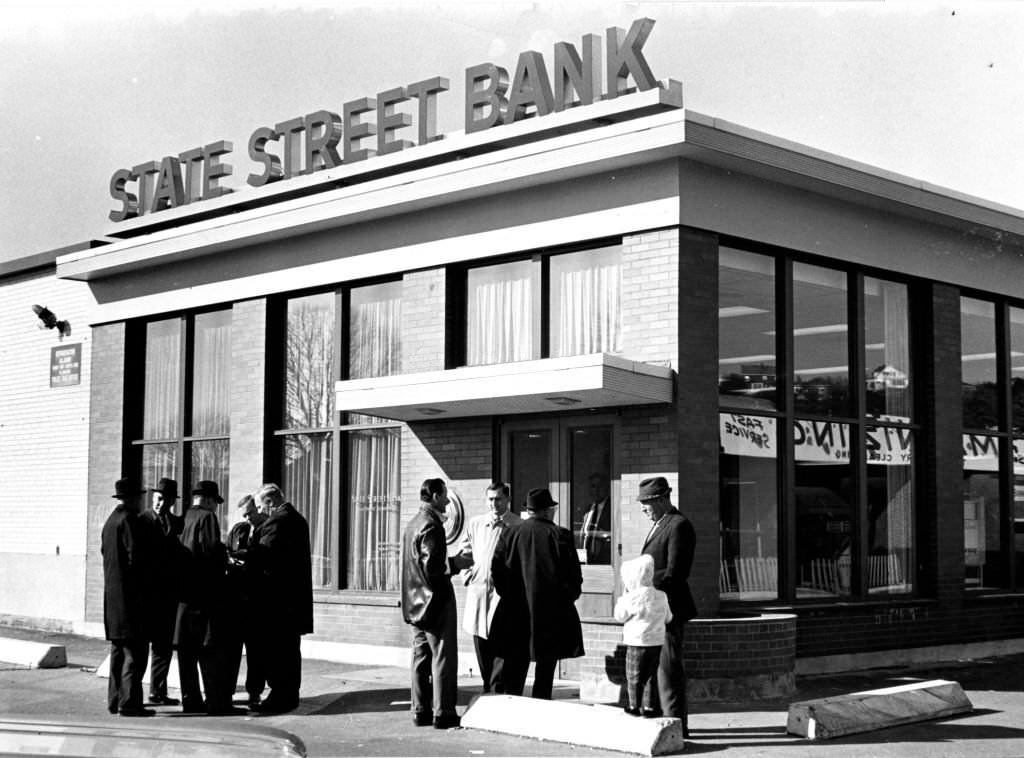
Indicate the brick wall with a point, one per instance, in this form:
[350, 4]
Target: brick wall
[106, 425]
[423, 321]
[248, 397]
[650, 302]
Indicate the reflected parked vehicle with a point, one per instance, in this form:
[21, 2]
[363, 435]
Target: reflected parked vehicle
[169, 738]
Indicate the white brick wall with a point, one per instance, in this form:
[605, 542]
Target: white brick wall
[44, 431]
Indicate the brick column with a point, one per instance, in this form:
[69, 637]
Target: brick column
[248, 397]
[941, 516]
[650, 296]
[423, 321]
[106, 446]
[697, 407]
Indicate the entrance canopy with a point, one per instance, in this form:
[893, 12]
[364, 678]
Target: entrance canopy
[598, 380]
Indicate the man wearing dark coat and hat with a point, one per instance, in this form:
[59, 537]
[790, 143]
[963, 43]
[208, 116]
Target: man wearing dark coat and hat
[671, 543]
[199, 631]
[164, 528]
[281, 556]
[537, 574]
[126, 577]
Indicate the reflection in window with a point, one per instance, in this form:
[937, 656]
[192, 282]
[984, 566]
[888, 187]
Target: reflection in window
[503, 313]
[210, 460]
[590, 494]
[211, 374]
[163, 380]
[890, 471]
[982, 564]
[978, 364]
[306, 481]
[374, 510]
[746, 329]
[824, 510]
[821, 381]
[748, 507]
[887, 350]
[1017, 367]
[586, 302]
[375, 346]
[309, 364]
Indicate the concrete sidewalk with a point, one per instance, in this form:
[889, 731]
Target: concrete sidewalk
[354, 710]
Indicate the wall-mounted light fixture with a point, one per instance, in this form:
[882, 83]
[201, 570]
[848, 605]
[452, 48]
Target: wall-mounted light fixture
[47, 320]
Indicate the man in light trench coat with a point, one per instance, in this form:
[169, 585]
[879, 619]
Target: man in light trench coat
[478, 543]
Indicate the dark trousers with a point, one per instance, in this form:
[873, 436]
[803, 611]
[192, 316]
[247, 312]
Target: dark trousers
[514, 667]
[642, 676]
[193, 659]
[162, 646]
[127, 665]
[282, 665]
[435, 666]
[671, 675]
[255, 676]
[485, 657]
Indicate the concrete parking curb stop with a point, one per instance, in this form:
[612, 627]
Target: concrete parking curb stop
[33, 655]
[599, 726]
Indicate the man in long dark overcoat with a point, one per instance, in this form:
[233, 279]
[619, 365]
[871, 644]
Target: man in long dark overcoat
[671, 543]
[199, 634]
[165, 527]
[126, 610]
[537, 574]
[282, 557]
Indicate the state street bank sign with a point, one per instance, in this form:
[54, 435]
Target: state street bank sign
[370, 126]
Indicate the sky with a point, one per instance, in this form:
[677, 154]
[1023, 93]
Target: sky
[933, 91]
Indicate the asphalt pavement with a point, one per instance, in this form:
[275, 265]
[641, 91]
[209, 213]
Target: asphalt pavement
[355, 710]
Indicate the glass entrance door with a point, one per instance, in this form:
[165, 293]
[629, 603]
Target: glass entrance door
[574, 458]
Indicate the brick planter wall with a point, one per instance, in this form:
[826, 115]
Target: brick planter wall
[729, 658]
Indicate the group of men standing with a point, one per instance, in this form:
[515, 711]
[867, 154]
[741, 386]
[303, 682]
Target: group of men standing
[171, 582]
[522, 579]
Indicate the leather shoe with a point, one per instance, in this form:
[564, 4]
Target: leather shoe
[632, 711]
[651, 713]
[422, 719]
[137, 712]
[163, 700]
[447, 722]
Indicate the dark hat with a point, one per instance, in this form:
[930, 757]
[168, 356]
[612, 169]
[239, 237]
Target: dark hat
[653, 488]
[127, 487]
[168, 487]
[539, 499]
[209, 489]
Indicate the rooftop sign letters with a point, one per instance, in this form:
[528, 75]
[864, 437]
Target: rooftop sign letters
[394, 120]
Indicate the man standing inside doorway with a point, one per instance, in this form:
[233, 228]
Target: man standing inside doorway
[482, 535]
[595, 534]
[671, 543]
[428, 604]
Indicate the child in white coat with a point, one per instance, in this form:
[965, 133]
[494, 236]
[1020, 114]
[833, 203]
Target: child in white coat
[645, 612]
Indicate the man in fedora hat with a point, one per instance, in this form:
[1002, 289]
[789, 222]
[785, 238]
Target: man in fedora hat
[164, 528]
[537, 574]
[671, 543]
[126, 577]
[199, 631]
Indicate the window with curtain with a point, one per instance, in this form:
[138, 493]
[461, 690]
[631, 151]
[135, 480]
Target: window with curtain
[186, 420]
[506, 309]
[586, 302]
[320, 448]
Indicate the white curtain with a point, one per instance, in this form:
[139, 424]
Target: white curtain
[375, 339]
[307, 484]
[163, 379]
[211, 374]
[589, 313]
[500, 321]
[373, 517]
